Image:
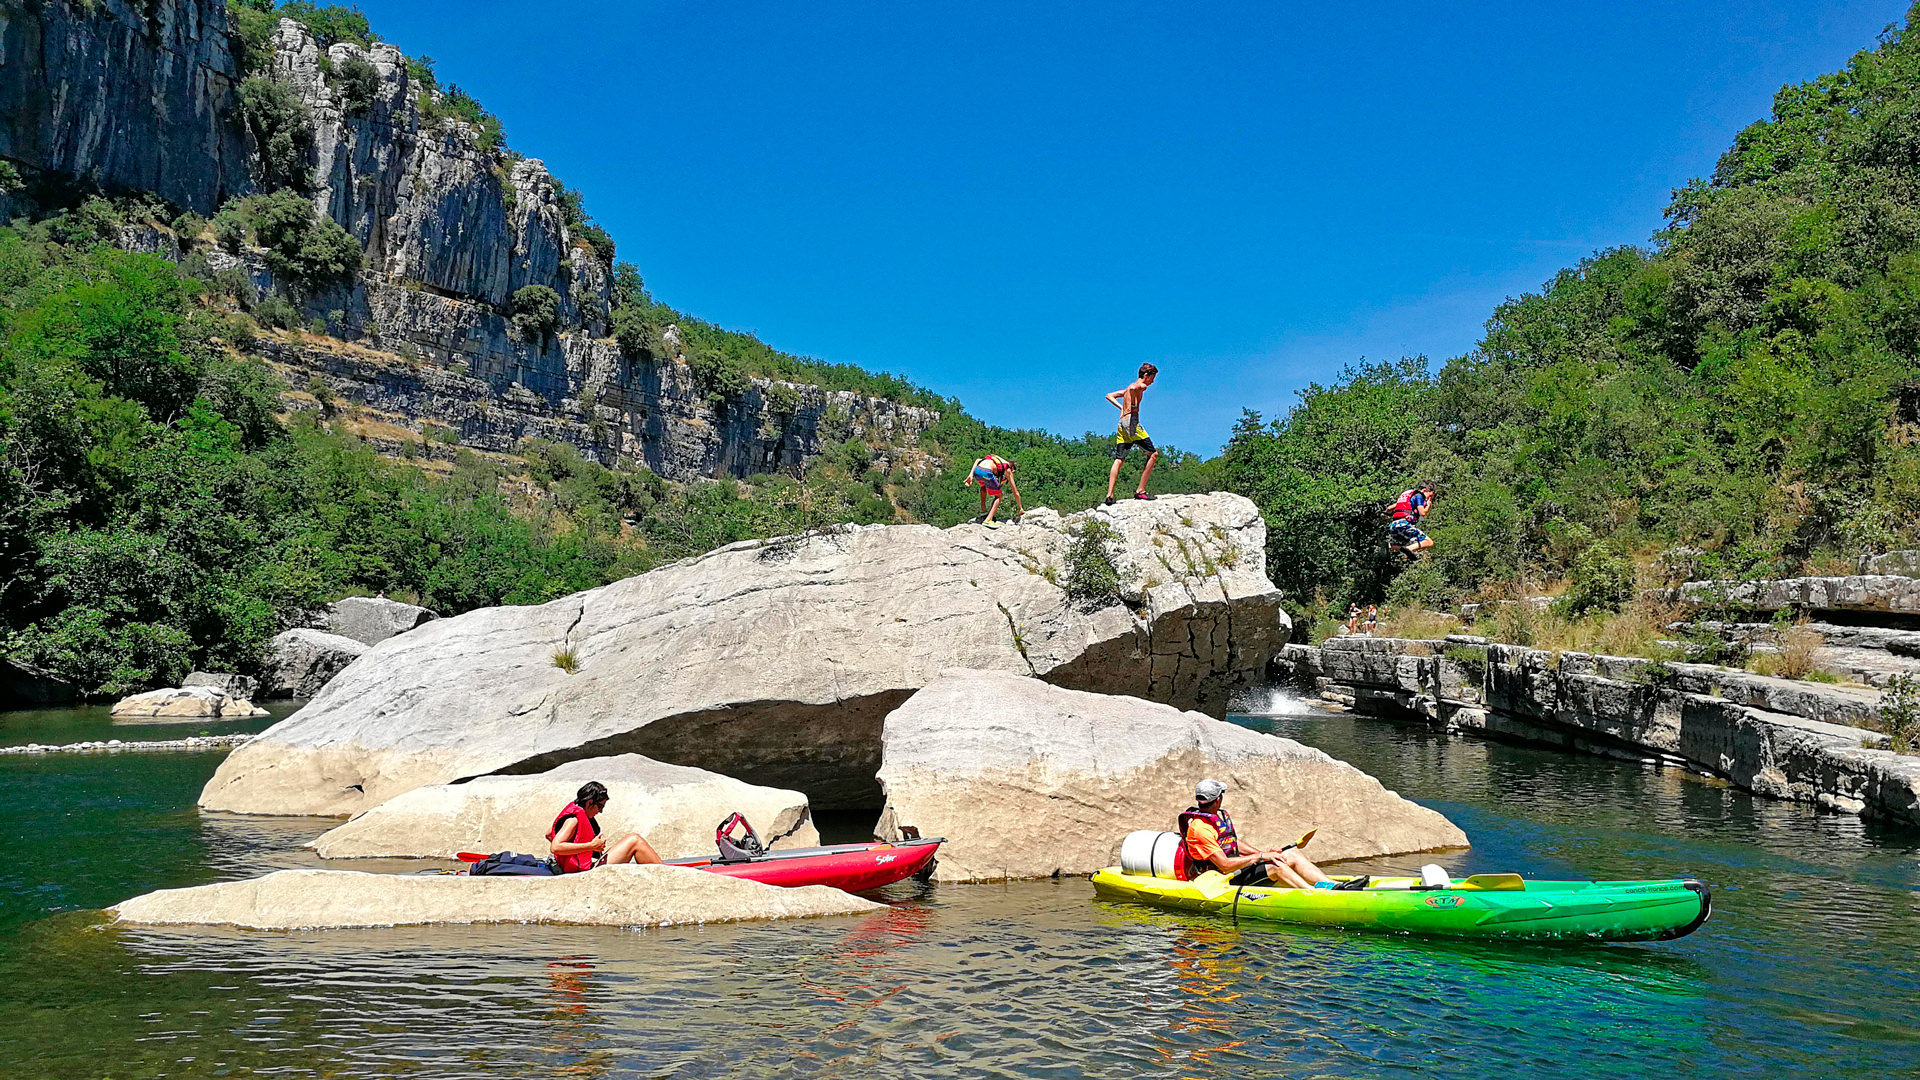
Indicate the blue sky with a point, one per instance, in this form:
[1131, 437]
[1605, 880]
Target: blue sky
[1018, 203]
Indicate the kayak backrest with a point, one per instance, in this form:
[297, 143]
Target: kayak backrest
[737, 848]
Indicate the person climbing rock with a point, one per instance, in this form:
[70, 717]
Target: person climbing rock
[1403, 532]
[990, 473]
[1207, 831]
[577, 842]
[1131, 435]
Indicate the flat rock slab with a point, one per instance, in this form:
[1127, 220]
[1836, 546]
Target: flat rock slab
[185, 703]
[609, 896]
[675, 807]
[371, 620]
[1030, 780]
[776, 662]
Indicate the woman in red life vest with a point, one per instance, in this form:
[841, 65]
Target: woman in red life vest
[1210, 843]
[577, 842]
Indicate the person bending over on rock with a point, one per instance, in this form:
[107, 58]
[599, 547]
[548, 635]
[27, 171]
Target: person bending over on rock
[1131, 434]
[1211, 842]
[989, 472]
[1403, 533]
[577, 842]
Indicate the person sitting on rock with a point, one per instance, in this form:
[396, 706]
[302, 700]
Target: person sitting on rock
[990, 472]
[577, 842]
[1211, 843]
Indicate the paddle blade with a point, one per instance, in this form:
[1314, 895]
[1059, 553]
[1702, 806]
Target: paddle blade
[1212, 885]
[1494, 883]
[1307, 837]
[469, 856]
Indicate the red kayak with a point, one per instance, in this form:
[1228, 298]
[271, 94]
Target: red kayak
[853, 867]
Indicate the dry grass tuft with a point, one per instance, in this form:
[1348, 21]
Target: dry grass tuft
[1795, 660]
[566, 661]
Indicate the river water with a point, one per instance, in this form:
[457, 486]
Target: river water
[1807, 969]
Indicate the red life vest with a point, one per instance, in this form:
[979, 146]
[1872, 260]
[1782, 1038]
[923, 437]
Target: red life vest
[1403, 509]
[1189, 865]
[583, 833]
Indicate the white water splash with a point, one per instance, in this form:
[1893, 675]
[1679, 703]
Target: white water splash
[1274, 700]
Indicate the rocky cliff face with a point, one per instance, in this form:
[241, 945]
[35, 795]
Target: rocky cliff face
[122, 97]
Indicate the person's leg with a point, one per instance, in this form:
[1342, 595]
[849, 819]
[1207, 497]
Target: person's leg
[1282, 874]
[1113, 474]
[1152, 457]
[983, 500]
[632, 848]
[1302, 865]
[993, 509]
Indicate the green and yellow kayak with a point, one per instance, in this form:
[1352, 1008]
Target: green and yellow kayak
[1488, 906]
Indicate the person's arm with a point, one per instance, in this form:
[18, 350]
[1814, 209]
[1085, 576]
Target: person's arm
[1117, 398]
[1016, 493]
[563, 840]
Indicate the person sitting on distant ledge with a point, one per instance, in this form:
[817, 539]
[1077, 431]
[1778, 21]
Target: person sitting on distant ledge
[1211, 843]
[577, 842]
[990, 472]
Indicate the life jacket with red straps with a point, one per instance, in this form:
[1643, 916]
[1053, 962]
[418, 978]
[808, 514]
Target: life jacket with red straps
[1403, 507]
[1188, 865]
[583, 833]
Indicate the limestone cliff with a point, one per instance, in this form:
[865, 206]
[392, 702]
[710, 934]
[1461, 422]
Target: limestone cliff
[118, 97]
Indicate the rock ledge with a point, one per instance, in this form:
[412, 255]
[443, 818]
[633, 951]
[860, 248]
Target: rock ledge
[609, 896]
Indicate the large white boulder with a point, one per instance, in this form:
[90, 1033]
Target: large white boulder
[371, 620]
[301, 661]
[776, 661]
[1030, 780]
[185, 703]
[675, 807]
[624, 895]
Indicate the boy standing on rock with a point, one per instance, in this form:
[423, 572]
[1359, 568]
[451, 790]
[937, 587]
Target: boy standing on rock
[1131, 434]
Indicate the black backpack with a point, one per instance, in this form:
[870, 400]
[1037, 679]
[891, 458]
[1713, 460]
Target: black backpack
[509, 864]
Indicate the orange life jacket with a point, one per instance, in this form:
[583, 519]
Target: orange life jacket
[1186, 864]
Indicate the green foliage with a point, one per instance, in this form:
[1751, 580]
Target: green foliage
[309, 249]
[566, 660]
[1602, 580]
[359, 84]
[10, 180]
[230, 229]
[640, 335]
[283, 129]
[1093, 571]
[420, 73]
[536, 311]
[95, 220]
[331, 24]
[1900, 712]
[250, 26]
[437, 108]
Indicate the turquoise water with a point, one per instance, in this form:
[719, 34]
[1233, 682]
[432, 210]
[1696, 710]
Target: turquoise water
[1808, 968]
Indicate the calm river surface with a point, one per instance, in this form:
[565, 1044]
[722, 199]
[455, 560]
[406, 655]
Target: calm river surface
[1808, 968]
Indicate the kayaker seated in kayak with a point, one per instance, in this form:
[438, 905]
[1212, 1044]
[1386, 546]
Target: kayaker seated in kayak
[1210, 841]
[577, 842]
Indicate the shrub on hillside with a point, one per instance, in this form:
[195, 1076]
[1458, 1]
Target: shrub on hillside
[1093, 571]
[308, 248]
[536, 311]
[1601, 580]
[282, 127]
[359, 84]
